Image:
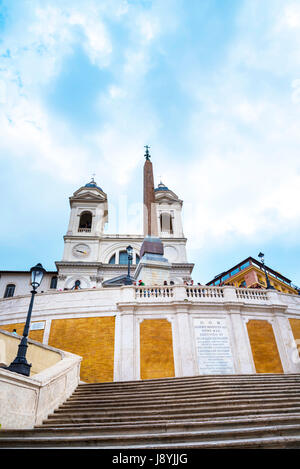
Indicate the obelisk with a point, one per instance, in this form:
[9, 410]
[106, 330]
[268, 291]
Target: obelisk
[150, 217]
[153, 268]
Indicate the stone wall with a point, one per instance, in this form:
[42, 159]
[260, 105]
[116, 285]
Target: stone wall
[132, 333]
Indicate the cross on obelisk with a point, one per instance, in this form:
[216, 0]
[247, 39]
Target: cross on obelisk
[150, 217]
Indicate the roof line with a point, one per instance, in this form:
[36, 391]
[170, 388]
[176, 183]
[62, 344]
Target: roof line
[252, 260]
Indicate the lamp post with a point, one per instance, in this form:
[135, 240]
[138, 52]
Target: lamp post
[128, 280]
[262, 259]
[20, 365]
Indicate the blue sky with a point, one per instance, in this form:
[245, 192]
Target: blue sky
[213, 86]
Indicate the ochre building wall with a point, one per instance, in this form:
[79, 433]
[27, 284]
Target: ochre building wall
[93, 338]
[156, 349]
[264, 348]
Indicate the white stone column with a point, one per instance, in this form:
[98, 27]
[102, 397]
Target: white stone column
[117, 348]
[47, 331]
[241, 348]
[230, 293]
[179, 293]
[127, 293]
[184, 344]
[286, 344]
[283, 334]
[125, 348]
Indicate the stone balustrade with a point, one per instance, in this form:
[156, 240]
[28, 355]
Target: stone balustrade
[141, 294]
[251, 294]
[152, 293]
[204, 293]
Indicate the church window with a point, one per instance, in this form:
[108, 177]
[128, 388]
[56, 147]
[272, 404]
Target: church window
[166, 225]
[85, 222]
[9, 290]
[123, 257]
[53, 283]
[76, 285]
[112, 260]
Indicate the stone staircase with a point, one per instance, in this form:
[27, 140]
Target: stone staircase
[224, 411]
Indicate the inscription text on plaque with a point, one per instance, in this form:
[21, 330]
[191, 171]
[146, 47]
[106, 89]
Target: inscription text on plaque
[213, 347]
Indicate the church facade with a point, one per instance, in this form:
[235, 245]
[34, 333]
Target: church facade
[160, 328]
[91, 256]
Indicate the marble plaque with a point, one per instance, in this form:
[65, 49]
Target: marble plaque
[213, 347]
[36, 326]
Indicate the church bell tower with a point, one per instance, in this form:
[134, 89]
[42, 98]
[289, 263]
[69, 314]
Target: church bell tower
[88, 217]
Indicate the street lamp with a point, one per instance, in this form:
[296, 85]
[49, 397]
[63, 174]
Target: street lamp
[20, 365]
[128, 280]
[262, 259]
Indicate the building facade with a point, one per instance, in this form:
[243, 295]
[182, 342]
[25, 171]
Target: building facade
[141, 332]
[154, 330]
[250, 273]
[91, 256]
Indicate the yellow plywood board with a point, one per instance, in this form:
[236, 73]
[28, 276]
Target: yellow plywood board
[92, 339]
[264, 348]
[156, 344]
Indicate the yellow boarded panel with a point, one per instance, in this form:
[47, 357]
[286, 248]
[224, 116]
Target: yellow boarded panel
[156, 349]
[91, 338]
[264, 348]
[34, 334]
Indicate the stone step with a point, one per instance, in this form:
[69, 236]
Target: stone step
[165, 426]
[171, 382]
[196, 391]
[183, 419]
[200, 378]
[186, 388]
[167, 400]
[196, 415]
[226, 402]
[240, 411]
[282, 433]
[147, 385]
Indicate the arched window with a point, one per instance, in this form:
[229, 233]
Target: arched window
[76, 285]
[112, 260]
[166, 225]
[9, 290]
[123, 257]
[53, 283]
[85, 222]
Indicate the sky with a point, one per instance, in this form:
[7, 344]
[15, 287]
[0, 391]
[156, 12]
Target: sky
[213, 86]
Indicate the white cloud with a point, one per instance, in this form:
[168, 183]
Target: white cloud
[244, 179]
[291, 15]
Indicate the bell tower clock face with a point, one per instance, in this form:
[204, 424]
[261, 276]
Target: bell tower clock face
[81, 250]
